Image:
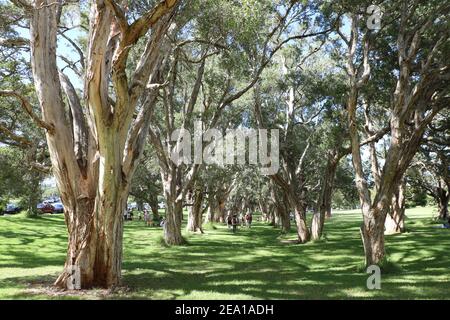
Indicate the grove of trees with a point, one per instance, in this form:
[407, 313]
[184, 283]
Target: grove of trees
[99, 94]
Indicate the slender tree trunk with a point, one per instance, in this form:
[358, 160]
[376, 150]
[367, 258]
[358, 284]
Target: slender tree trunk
[282, 211]
[284, 217]
[277, 219]
[324, 203]
[34, 195]
[264, 208]
[220, 209]
[328, 211]
[285, 222]
[210, 212]
[271, 217]
[154, 206]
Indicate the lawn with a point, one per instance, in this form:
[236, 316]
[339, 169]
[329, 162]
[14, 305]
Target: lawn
[252, 264]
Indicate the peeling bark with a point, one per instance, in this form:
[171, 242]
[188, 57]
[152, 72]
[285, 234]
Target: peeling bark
[93, 156]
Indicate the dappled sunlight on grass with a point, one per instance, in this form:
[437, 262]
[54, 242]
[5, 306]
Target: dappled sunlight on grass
[251, 264]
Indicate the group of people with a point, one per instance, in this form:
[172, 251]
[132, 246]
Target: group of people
[233, 220]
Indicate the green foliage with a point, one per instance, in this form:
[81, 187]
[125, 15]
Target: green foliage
[415, 197]
[18, 180]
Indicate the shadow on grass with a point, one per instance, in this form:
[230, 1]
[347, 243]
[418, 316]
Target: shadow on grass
[252, 264]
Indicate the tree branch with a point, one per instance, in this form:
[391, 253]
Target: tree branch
[29, 109]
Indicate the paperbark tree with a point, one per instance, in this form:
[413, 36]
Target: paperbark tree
[417, 97]
[94, 146]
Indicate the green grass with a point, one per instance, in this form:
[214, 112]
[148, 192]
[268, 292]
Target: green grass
[252, 264]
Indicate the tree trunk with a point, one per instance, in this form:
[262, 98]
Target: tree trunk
[285, 219]
[172, 226]
[174, 207]
[277, 219]
[96, 226]
[140, 205]
[217, 207]
[264, 208]
[303, 232]
[442, 200]
[34, 195]
[328, 211]
[395, 219]
[154, 207]
[94, 148]
[209, 215]
[324, 203]
[282, 212]
[271, 217]
[195, 212]
[372, 234]
[95, 240]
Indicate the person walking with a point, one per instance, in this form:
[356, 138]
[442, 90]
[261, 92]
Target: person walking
[234, 222]
[248, 219]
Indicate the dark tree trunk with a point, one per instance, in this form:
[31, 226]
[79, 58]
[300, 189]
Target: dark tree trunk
[154, 207]
[271, 217]
[442, 197]
[221, 210]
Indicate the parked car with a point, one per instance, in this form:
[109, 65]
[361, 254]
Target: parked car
[58, 207]
[47, 208]
[12, 208]
[132, 206]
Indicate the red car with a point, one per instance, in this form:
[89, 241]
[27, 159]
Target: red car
[47, 208]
